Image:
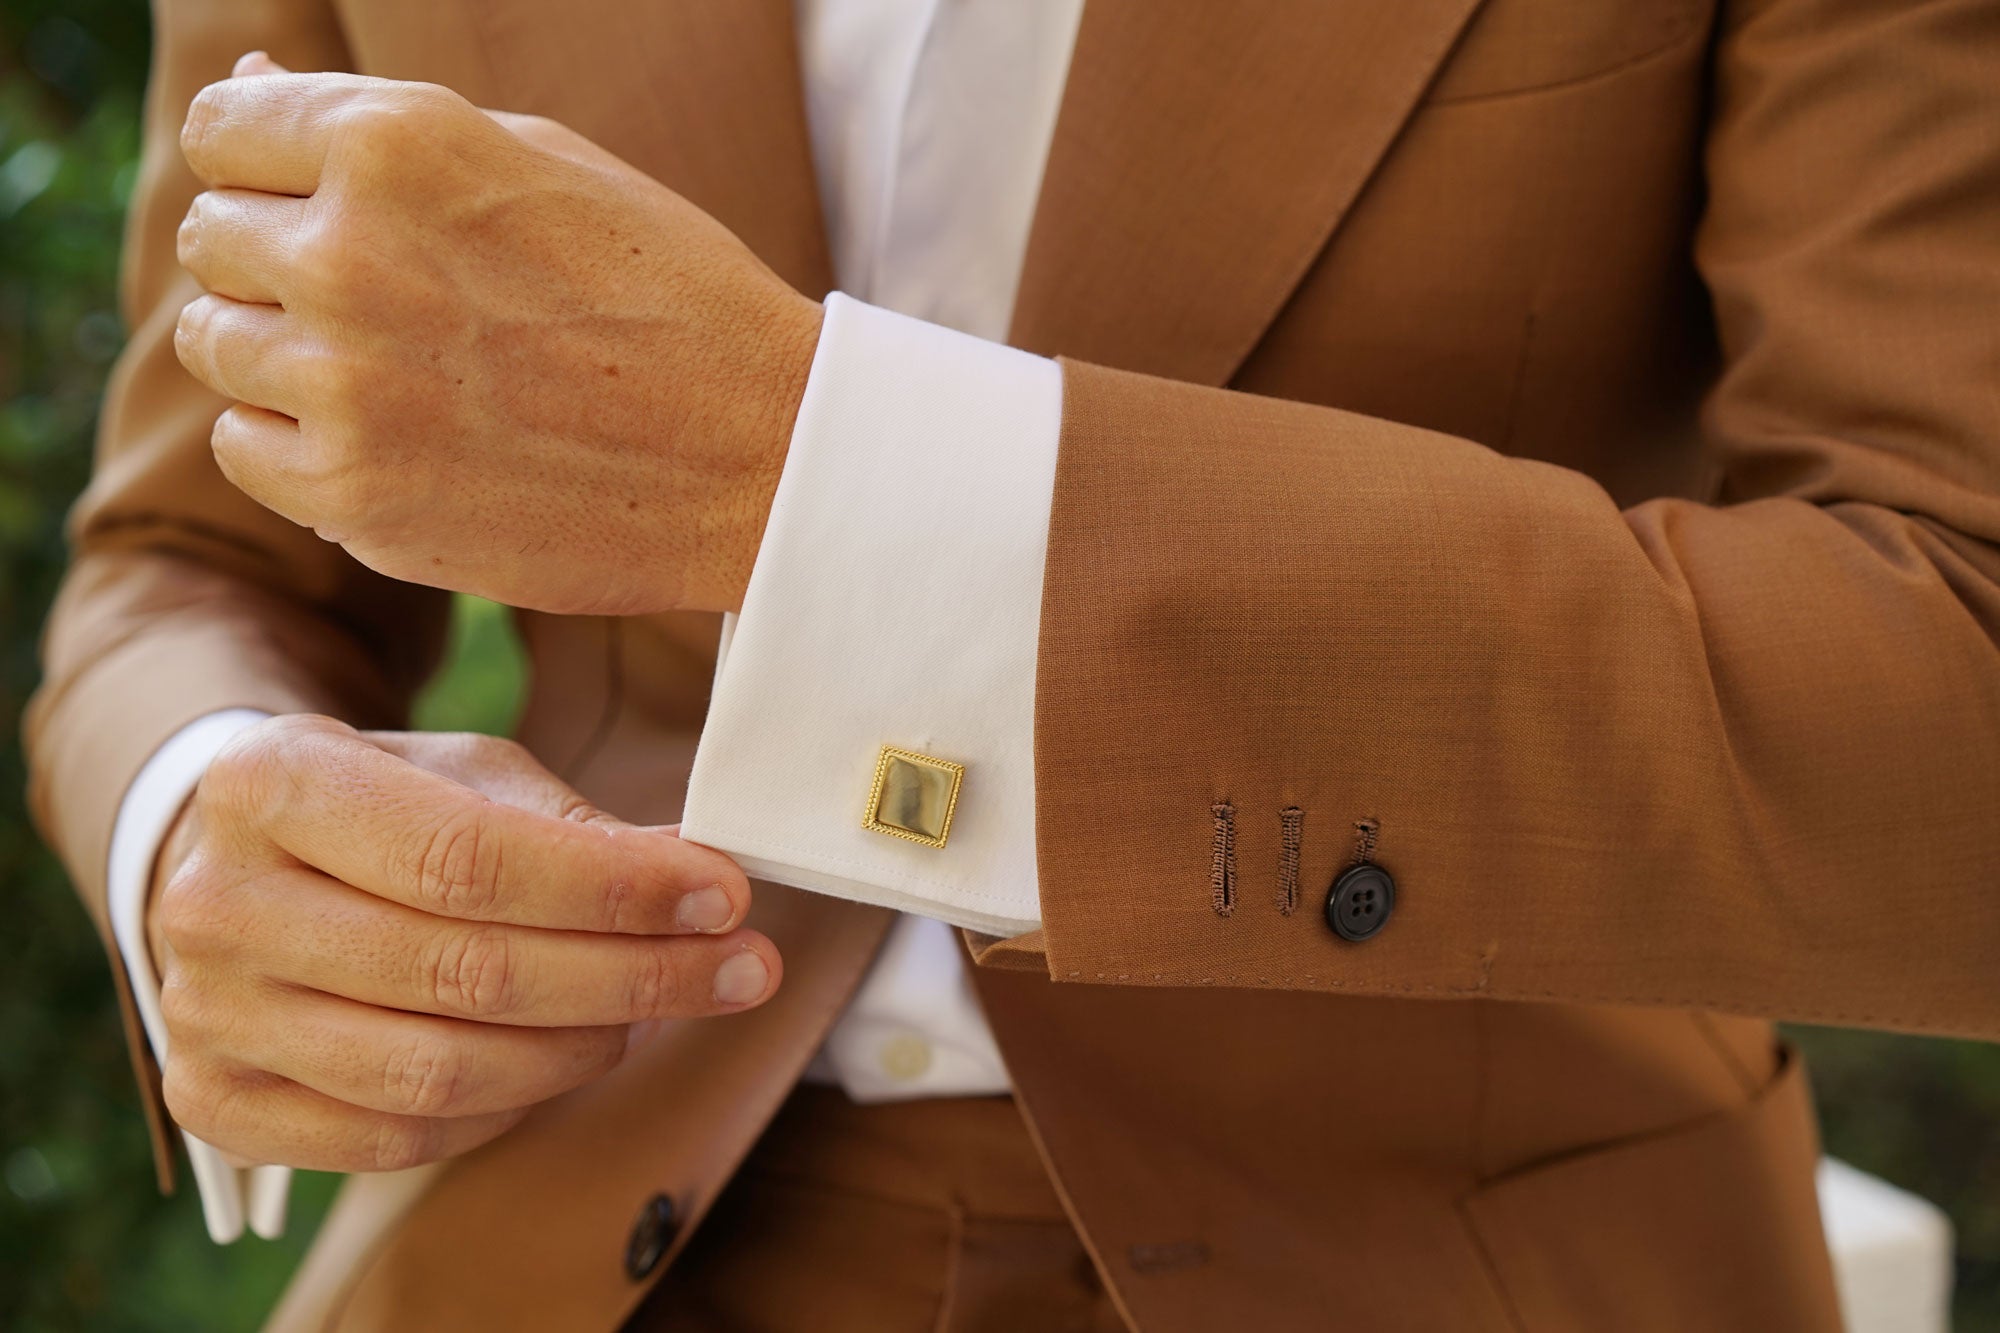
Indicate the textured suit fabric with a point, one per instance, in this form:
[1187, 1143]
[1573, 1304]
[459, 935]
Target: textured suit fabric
[924, 1217]
[1730, 749]
[1562, 434]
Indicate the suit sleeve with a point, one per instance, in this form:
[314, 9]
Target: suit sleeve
[1740, 755]
[184, 597]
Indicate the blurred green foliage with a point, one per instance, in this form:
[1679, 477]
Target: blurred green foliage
[84, 1240]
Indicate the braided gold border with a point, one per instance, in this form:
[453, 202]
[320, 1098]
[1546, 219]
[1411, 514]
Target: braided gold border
[874, 825]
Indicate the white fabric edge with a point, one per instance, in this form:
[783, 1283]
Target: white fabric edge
[859, 891]
[145, 815]
[1891, 1251]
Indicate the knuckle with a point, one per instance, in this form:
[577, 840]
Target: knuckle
[578, 809]
[226, 441]
[457, 874]
[184, 1012]
[322, 255]
[341, 486]
[336, 262]
[194, 1096]
[656, 985]
[201, 116]
[241, 769]
[269, 771]
[473, 752]
[497, 750]
[378, 124]
[426, 1076]
[253, 770]
[473, 973]
[194, 327]
[399, 137]
[397, 1144]
[394, 129]
[193, 910]
[351, 484]
[188, 239]
[432, 98]
[284, 734]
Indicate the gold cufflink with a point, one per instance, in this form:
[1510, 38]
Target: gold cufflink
[913, 796]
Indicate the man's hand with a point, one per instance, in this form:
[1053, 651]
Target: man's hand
[380, 949]
[480, 352]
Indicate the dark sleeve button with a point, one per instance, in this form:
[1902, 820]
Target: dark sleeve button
[652, 1234]
[1361, 902]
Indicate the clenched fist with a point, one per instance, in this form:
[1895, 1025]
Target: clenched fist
[381, 949]
[480, 352]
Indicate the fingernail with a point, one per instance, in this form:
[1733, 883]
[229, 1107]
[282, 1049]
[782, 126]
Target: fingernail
[706, 909]
[741, 979]
[642, 1032]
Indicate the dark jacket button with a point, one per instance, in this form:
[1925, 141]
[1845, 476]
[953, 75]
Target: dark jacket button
[651, 1236]
[1361, 902]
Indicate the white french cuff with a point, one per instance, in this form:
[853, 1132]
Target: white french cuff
[229, 1197]
[896, 602]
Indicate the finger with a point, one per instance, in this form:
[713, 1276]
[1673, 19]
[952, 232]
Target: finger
[500, 769]
[509, 774]
[247, 352]
[257, 1117]
[272, 132]
[241, 243]
[382, 953]
[412, 1064]
[376, 821]
[262, 455]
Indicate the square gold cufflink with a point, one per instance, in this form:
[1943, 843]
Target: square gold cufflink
[913, 797]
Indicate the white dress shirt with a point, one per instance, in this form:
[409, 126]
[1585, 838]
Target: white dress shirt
[897, 597]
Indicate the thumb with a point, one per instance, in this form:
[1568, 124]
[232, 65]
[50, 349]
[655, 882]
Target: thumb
[256, 62]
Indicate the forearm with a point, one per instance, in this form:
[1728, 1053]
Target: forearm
[1733, 758]
[1736, 755]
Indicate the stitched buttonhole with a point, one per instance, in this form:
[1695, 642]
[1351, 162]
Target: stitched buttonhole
[1366, 832]
[1291, 826]
[1222, 860]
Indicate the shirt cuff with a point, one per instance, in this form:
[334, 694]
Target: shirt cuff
[229, 1197]
[896, 601]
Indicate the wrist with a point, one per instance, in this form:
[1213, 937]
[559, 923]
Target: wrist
[785, 363]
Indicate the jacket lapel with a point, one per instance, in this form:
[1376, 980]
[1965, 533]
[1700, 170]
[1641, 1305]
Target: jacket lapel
[704, 97]
[1203, 156]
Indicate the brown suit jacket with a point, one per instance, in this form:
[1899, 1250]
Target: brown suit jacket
[1606, 510]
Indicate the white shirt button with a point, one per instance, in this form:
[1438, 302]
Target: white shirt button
[905, 1057]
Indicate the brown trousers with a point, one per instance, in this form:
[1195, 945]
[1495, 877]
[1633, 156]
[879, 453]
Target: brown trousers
[926, 1217]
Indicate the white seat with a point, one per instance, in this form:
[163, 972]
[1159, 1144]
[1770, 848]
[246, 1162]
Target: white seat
[1891, 1253]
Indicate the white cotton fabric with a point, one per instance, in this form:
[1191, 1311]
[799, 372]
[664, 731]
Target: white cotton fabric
[896, 601]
